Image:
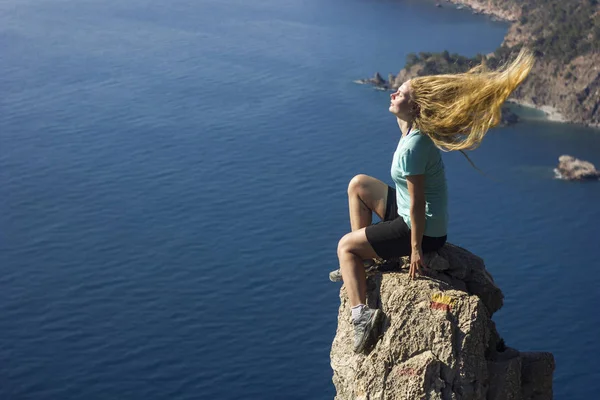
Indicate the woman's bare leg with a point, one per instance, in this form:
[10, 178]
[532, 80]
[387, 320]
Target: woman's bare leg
[353, 248]
[365, 196]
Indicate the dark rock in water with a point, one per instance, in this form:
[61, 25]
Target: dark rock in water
[573, 169]
[438, 5]
[376, 81]
[508, 117]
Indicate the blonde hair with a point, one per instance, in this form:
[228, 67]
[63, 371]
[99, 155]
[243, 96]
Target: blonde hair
[457, 110]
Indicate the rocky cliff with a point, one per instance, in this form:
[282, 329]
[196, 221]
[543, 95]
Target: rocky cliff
[569, 85]
[438, 340]
[565, 35]
[573, 89]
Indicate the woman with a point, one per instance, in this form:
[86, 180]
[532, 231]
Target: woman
[448, 112]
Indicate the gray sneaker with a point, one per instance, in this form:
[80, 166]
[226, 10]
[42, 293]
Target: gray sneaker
[366, 327]
[336, 275]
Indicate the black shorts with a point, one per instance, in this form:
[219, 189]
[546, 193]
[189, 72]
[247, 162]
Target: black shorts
[390, 238]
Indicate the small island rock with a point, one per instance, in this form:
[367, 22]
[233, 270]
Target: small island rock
[574, 169]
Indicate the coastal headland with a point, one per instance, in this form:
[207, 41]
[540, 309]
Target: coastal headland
[565, 38]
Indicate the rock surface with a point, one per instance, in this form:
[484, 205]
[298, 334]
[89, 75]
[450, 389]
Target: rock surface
[438, 340]
[574, 169]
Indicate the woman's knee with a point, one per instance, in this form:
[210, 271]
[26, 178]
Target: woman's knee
[372, 193]
[357, 185]
[355, 243]
[344, 245]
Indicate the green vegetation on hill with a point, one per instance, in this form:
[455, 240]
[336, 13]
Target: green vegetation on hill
[563, 29]
[446, 63]
[441, 63]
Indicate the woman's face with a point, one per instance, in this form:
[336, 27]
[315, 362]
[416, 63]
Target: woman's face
[401, 104]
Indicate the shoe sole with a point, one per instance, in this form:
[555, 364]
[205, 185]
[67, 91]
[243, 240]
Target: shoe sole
[373, 323]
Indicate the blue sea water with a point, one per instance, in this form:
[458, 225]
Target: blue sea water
[174, 177]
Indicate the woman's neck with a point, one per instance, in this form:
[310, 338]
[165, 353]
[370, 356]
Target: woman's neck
[405, 126]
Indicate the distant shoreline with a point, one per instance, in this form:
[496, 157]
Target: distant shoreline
[551, 113]
[478, 9]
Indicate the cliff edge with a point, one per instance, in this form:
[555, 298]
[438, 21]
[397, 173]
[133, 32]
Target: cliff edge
[438, 340]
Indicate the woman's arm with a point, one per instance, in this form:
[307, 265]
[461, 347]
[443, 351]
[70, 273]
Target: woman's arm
[416, 190]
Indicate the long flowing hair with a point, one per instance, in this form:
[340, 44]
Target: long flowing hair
[457, 110]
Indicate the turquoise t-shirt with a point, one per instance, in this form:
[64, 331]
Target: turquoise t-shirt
[417, 155]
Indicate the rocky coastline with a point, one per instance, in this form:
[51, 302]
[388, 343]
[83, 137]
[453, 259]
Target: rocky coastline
[565, 90]
[499, 9]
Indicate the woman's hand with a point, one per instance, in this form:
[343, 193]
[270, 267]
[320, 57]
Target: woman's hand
[416, 263]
